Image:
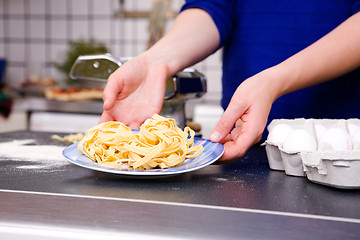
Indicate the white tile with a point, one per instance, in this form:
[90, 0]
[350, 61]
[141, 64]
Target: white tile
[168, 25]
[118, 50]
[114, 50]
[101, 30]
[58, 55]
[58, 7]
[16, 28]
[14, 75]
[143, 5]
[2, 7]
[79, 7]
[58, 29]
[37, 52]
[58, 76]
[142, 29]
[128, 31]
[35, 69]
[176, 4]
[16, 52]
[207, 122]
[117, 28]
[127, 50]
[213, 81]
[16, 7]
[131, 49]
[1, 29]
[58, 52]
[130, 5]
[80, 29]
[2, 50]
[140, 48]
[199, 66]
[114, 5]
[113, 33]
[37, 29]
[37, 7]
[214, 60]
[103, 8]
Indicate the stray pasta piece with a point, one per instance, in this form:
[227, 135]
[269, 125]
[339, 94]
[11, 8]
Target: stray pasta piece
[160, 143]
[71, 138]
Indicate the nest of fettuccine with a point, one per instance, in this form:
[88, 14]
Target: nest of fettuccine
[160, 143]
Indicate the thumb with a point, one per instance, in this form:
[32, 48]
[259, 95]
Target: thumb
[111, 91]
[224, 126]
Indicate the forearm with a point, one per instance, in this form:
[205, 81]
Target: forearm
[333, 55]
[192, 38]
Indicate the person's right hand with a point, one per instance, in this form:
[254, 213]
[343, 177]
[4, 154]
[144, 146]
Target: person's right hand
[134, 92]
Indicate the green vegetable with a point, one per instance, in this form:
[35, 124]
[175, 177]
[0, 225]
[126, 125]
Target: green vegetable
[77, 48]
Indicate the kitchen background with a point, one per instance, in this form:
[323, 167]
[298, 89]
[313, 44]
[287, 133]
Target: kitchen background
[35, 34]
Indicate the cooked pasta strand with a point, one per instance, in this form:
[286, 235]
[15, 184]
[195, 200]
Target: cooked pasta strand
[160, 143]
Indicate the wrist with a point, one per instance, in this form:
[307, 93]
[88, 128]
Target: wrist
[276, 81]
[155, 57]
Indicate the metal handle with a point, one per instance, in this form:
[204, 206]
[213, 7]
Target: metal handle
[188, 83]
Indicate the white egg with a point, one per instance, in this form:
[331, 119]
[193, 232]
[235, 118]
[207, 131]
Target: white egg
[278, 134]
[353, 128]
[300, 140]
[337, 139]
[320, 130]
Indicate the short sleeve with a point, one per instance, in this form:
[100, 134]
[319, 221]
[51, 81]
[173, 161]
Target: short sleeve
[355, 7]
[222, 12]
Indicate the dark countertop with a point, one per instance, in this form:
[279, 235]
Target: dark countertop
[247, 185]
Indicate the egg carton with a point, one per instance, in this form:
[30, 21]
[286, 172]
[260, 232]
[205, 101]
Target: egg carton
[330, 169]
[326, 151]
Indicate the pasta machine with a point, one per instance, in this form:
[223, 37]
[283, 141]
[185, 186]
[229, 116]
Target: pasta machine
[94, 70]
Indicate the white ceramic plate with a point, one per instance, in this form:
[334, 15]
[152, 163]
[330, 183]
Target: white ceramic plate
[212, 152]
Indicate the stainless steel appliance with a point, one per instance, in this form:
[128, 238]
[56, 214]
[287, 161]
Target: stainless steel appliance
[94, 70]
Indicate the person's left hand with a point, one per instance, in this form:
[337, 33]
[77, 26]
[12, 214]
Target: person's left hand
[248, 111]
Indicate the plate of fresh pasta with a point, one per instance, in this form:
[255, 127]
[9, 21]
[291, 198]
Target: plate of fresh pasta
[158, 148]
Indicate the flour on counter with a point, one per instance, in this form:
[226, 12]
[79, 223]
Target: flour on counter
[35, 156]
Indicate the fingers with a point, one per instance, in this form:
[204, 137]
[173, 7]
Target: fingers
[133, 123]
[236, 148]
[227, 121]
[112, 89]
[105, 117]
[239, 146]
[246, 133]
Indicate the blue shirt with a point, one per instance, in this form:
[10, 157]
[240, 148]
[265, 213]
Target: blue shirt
[258, 34]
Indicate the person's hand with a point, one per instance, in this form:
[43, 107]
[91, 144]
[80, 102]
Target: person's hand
[248, 111]
[134, 92]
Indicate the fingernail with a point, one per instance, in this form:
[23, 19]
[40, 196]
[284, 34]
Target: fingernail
[215, 136]
[105, 101]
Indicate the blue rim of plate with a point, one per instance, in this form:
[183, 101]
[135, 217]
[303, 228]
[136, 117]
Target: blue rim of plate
[212, 152]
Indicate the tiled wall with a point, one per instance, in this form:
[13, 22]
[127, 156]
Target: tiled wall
[35, 33]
